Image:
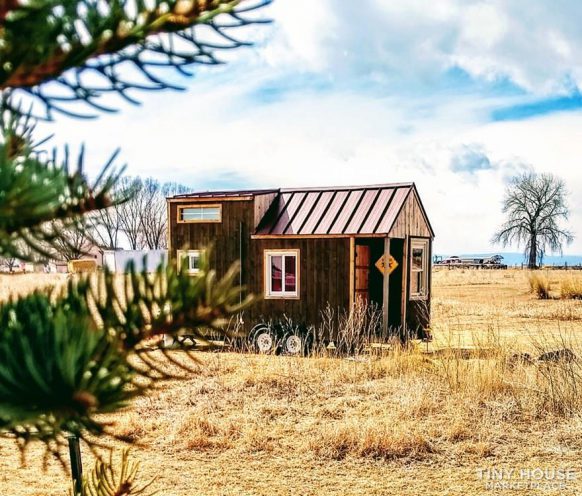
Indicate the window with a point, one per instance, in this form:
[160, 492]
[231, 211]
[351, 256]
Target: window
[282, 274]
[419, 269]
[190, 260]
[200, 213]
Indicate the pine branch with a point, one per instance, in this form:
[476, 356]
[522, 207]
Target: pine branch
[115, 478]
[42, 197]
[91, 48]
[68, 358]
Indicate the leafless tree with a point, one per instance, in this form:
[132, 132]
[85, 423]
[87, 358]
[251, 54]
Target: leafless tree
[153, 218]
[106, 227]
[535, 204]
[130, 213]
[9, 263]
[143, 219]
[73, 243]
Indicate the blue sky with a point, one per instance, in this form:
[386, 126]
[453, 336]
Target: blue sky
[456, 95]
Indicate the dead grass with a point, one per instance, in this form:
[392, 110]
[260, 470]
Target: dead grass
[413, 421]
[472, 305]
[571, 288]
[21, 284]
[540, 285]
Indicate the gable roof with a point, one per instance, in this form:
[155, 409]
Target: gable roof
[351, 210]
[342, 210]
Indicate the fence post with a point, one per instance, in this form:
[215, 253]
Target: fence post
[76, 465]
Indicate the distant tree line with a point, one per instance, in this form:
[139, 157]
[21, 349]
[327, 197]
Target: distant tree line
[138, 223]
[141, 221]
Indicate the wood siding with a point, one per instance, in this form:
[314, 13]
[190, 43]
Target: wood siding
[326, 271]
[324, 262]
[225, 237]
[411, 220]
[262, 204]
[324, 274]
[418, 310]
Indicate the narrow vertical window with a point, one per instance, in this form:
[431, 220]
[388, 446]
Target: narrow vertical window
[290, 274]
[276, 274]
[419, 269]
[282, 274]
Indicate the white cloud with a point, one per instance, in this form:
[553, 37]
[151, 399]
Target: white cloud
[537, 45]
[345, 134]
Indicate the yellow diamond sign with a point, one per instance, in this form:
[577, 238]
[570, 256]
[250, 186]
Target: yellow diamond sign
[386, 268]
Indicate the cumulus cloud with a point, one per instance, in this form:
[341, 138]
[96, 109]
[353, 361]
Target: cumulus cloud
[470, 159]
[362, 93]
[535, 45]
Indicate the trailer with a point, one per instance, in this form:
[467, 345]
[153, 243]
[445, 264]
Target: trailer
[456, 262]
[305, 249]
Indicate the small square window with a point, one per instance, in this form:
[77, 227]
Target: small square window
[282, 274]
[190, 260]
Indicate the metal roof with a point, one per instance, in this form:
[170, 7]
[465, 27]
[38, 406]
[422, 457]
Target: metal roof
[226, 193]
[335, 211]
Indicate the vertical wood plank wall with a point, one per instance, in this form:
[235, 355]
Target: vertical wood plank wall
[411, 221]
[418, 310]
[324, 278]
[352, 274]
[324, 262]
[224, 237]
[386, 296]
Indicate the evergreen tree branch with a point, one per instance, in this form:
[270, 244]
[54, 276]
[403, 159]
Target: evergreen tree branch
[70, 357]
[91, 48]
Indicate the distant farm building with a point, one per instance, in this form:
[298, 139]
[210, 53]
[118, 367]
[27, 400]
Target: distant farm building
[148, 260]
[454, 261]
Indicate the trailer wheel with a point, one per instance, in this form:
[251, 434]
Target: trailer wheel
[297, 343]
[293, 344]
[263, 339]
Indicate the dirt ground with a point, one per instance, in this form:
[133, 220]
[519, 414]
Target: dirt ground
[406, 424]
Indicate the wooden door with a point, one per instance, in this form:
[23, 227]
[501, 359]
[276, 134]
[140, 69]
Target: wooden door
[362, 266]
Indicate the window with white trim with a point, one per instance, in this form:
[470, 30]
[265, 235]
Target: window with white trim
[281, 273]
[199, 213]
[190, 260]
[419, 268]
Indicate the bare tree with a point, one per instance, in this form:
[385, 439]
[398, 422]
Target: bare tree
[9, 263]
[72, 243]
[130, 213]
[143, 218]
[535, 204]
[153, 218]
[106, 227]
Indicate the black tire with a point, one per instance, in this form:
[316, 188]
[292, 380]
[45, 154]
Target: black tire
[263, 339]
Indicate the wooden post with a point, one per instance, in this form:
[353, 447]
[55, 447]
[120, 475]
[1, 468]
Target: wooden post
[76, 465]
[405, 285]
[386, 287]
[168, 232]
[352, 273]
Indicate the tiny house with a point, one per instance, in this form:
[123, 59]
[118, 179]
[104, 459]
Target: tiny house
[303, 249]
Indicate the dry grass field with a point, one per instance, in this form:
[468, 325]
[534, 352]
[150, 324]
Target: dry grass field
[426, 420]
